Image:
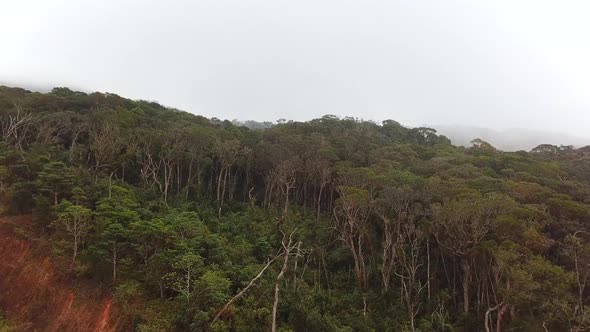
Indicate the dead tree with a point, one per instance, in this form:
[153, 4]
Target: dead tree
[15, 127]
[245, 289]
[106, 149]
[578, 251]
[409, 247]
[392, 206]
[227, 153]
[282, 179]
[286, 177]
[288, 247]
[351, 214]
[323, 175]
[77, 128]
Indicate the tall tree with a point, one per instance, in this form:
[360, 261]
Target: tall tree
[462, 224]
[75, 220]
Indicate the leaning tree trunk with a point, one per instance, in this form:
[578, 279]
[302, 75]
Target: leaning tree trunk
[286, 251]
[277, 288]
[243, 291]
[500, 317]
[488, 319]
[319, 201]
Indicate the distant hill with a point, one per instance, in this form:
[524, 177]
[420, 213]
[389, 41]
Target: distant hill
[43, 88]
[508, 139]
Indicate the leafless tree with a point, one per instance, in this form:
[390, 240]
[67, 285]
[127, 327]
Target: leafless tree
[392, 207]
[323, 175]
[227, 153]
[576, 248]
[351, 214]
[245, 289]
[107, 149]
[16, 126]
[409, 245]
[288, 247]
[75, 220]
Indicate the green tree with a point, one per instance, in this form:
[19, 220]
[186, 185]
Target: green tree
[115, 213]
[462, 224]
[114, 239]
[55, 178]
[75, 220]
[187, 271]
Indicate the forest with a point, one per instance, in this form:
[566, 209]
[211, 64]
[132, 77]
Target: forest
[334, 224]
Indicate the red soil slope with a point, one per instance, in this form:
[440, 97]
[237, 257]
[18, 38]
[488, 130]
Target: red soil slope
[38, 295]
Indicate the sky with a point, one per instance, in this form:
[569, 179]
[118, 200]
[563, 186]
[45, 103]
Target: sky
[495, 64]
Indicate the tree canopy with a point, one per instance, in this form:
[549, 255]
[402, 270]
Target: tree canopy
[332, 224]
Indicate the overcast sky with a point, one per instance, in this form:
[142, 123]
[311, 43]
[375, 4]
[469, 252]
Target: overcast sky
[497, 64]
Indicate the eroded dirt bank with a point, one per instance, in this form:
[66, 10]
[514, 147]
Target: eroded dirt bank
[37, 292]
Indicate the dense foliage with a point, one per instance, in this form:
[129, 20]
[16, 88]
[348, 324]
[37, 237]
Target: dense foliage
[326, 225]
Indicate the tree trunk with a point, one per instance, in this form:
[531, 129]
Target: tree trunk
[178, 176]
[488, 318]
[466, 265]
[188, 283]
[114, 262]
[319, 202]
[500, 317]
[75, 247]
[297, 255]
[428, 267]
[221, 171]
[277, 287]
[581, 285]
[305, 196]
[243, 291]
[188, 179]
[111, 184]
[286, 202]
[71, 154]
[358, 270]
[223, 192]
[270, 196]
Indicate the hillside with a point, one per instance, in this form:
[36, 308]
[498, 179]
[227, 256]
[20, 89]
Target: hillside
[183, 223]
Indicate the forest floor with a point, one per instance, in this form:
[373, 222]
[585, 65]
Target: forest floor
[37, 290]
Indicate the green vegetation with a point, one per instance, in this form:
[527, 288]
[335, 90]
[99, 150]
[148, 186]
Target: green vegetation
[327, 225]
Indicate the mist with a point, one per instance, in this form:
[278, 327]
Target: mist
[512, 139]
[459, 64]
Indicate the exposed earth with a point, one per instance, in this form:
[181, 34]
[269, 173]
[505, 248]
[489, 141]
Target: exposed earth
[37, 292]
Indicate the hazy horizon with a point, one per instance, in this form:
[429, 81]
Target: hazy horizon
[497, 65]
[507, 139]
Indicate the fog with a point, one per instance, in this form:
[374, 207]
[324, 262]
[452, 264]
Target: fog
[494, 64]
[512, 139]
